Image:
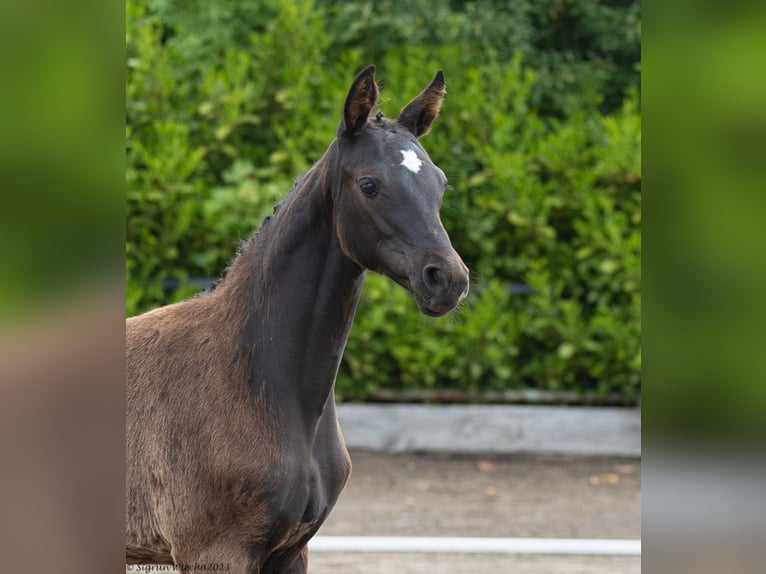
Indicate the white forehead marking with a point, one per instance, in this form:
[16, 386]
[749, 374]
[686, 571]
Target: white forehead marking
[411, 160]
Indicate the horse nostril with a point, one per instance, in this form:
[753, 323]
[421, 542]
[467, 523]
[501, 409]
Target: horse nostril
[433, 277]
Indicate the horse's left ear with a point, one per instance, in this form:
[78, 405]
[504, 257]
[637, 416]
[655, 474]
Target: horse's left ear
[361, 98]
[419, 114]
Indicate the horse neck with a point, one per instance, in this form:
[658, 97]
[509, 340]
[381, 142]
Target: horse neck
[295, 293]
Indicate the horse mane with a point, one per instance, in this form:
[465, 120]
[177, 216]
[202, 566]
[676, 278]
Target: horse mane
[252, 241]
[246, 243]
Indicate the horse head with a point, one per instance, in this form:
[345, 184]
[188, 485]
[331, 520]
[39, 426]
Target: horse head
[388, 195]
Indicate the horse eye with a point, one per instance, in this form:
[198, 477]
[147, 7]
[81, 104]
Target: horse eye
[367, 185]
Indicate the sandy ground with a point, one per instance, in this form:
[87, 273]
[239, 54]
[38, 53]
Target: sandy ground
[411, 495]
[516, 496]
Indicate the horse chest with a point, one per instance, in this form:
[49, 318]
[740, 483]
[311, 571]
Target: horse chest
[307, 500]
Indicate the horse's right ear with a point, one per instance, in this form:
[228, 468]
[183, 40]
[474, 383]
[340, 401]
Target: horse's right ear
[361, 98]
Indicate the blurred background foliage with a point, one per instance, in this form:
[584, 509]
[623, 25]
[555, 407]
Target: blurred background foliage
[540, 135]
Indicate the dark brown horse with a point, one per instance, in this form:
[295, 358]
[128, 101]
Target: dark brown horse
[234, 454]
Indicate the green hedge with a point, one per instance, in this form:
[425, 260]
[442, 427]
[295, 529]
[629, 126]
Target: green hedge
[540, 136]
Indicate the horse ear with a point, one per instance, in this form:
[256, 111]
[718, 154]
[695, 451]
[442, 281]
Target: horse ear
[361, 98]
[419, 114]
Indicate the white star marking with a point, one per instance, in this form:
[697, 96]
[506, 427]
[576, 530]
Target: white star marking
[411, 160]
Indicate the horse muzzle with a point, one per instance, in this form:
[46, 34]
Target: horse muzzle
[442, 285]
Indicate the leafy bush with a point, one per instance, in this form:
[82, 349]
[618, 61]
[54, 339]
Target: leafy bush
[540, 137]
